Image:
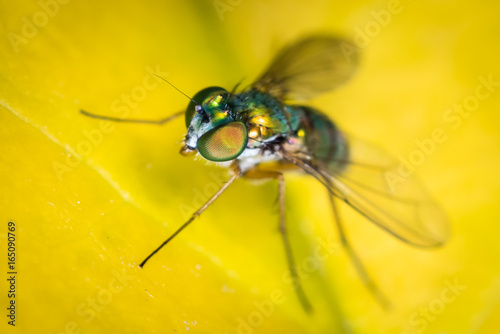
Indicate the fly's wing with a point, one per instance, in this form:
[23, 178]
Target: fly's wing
[308, 68]
[383, 190]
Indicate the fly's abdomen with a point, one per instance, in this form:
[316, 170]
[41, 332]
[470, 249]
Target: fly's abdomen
[321, 138]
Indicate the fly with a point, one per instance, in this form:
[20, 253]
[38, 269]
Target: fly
[263, 131]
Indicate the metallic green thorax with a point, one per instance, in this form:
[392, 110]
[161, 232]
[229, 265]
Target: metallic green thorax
[265, 117]
[299, 127]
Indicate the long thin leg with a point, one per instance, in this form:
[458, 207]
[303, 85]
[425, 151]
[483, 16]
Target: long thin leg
[263, 174]
[289, 255]
[196, 214]
[124, 120]
[360, 268]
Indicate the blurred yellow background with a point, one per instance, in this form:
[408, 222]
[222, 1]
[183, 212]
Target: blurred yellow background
[90, 202]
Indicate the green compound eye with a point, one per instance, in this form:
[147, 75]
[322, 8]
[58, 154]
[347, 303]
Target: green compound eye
[223, 143]
[204, 96]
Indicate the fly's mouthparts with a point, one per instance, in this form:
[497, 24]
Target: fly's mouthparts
[185, 150]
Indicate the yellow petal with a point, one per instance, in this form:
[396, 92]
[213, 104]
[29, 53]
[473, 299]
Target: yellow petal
[90, 200]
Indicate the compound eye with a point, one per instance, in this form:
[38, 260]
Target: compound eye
[210, 95]
[223, 143]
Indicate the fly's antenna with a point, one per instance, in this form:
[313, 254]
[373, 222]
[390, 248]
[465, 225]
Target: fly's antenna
[180, 91]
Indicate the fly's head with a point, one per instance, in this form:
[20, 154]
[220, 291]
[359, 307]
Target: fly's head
[213, 128]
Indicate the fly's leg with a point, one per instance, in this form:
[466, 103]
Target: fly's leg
[289, 255]
[360, 268]
[257, 174]
[196, 214]
[143, 121]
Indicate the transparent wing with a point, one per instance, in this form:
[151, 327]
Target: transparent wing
[383, 190]
[308, 68]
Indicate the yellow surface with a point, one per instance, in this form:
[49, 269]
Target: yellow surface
[90, 203]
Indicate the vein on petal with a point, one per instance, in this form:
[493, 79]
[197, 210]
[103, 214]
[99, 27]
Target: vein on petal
[101, 171]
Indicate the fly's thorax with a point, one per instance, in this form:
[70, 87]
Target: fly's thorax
[265, 116]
